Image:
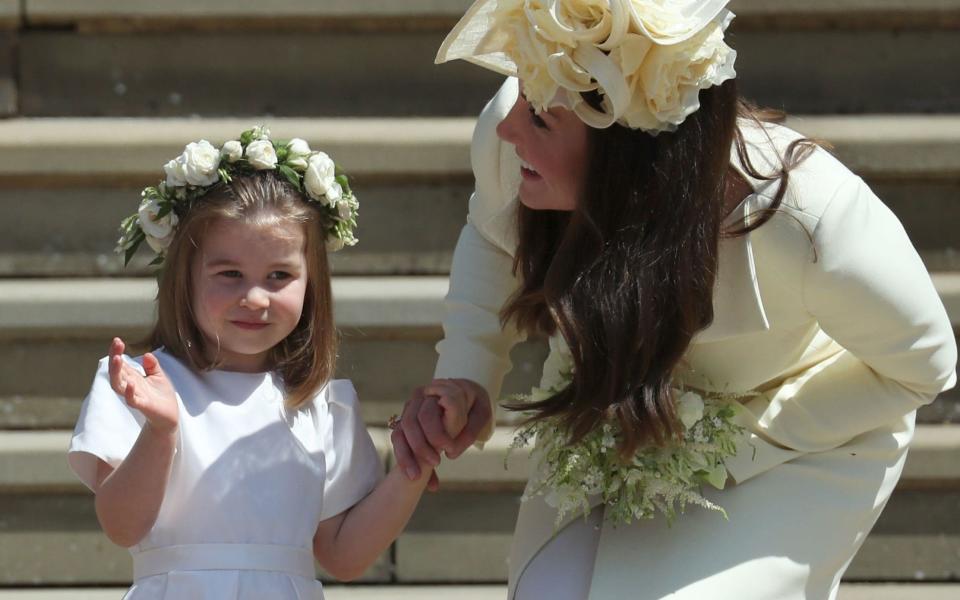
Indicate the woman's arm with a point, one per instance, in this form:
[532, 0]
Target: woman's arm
[475, 349]
[870, 292]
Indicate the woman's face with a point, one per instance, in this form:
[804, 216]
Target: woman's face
[553, 149]
[249, 283]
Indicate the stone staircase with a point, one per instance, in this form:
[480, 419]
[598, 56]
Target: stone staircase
[99, 94]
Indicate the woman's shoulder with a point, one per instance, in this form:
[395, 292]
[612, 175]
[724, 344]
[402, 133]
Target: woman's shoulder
[813, 182]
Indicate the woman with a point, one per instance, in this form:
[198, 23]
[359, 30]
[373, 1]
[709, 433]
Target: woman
[628, 206]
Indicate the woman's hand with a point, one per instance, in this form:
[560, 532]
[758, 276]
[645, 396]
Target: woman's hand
[152, 394]
[422, 435]
[455, 403]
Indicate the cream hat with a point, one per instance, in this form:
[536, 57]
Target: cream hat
[648, 58]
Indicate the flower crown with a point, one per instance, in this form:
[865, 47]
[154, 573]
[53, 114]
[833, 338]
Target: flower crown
[648, 58]
[202, 165]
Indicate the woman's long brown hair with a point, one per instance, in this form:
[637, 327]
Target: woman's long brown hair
[627, 277]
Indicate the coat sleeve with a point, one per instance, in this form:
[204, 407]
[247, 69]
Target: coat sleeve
[475, 346]
[870, 292]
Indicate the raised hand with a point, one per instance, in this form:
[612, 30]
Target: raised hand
[152, 394]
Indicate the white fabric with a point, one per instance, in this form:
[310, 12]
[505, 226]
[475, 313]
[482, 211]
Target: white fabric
[563, 568]
[826, 310]
[246, 474]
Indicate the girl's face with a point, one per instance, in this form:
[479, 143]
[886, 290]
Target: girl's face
[249, 283]
[553, 149]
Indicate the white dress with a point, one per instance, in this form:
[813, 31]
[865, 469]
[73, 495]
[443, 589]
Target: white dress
[249, 483]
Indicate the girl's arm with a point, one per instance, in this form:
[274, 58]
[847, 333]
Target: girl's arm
[128, 498]
[345, 545]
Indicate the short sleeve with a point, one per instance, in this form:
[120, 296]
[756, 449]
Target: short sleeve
[106, 429]
[353, 467]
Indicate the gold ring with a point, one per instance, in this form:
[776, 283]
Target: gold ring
[393, 422]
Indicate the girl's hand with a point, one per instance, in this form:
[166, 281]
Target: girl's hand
[454, 402]
[152, 394]
[421, 435]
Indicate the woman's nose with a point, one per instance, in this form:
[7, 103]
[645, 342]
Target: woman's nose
[507, 129]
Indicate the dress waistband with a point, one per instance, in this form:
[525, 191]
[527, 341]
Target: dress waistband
[224, 557]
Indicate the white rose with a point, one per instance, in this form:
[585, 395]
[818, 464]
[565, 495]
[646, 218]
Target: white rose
[671, 77]
[320, 175]
[176, 176]
[298, 150]
[690, 409]
[158, 230]
[232, 151]
[334, 194]
[201, 160]
[262, 155]
[674, 21]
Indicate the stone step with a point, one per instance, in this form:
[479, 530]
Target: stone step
[848, 591]
[390, 326]
[143, 14]
[389, 329]
[50, 533]
[117, 58]
[458, 535]
[67, 184]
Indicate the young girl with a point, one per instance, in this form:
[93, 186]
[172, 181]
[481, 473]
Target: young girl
[226, 460]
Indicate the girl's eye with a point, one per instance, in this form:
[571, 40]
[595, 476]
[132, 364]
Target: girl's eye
[280, 275]
[232, 274]
[537, 121]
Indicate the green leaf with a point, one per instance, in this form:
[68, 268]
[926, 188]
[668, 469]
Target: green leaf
[134, 244]
[246, 137]
[158, 260]
[290, 175]
[282, 152]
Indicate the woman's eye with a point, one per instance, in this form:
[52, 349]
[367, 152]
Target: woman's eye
[537, 120]
[280, 275]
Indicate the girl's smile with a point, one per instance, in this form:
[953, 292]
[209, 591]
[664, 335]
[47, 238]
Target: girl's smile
[249, 282]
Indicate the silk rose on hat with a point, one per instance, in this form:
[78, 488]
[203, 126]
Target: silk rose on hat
[648, 59]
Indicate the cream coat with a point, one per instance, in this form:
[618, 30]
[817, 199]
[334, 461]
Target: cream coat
[826, 310]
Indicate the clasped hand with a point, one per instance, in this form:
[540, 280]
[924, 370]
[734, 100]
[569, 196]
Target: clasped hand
[446, 416]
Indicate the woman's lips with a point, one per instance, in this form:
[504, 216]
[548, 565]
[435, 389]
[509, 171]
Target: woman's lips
[529, 174]
[249, 325]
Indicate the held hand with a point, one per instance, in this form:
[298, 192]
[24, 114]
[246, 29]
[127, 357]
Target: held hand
[421, 435]
[454, 402]
[152, 394]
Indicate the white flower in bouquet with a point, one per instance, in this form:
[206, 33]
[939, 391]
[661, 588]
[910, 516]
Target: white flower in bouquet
[320, 176]
[298, 150]
[262, 155]
[232, 151]
[158, 231]
[200, 162]
[655, 480]
[690, 409]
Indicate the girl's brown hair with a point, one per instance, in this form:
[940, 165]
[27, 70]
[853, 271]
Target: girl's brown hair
[306, 358]
[627, 277]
